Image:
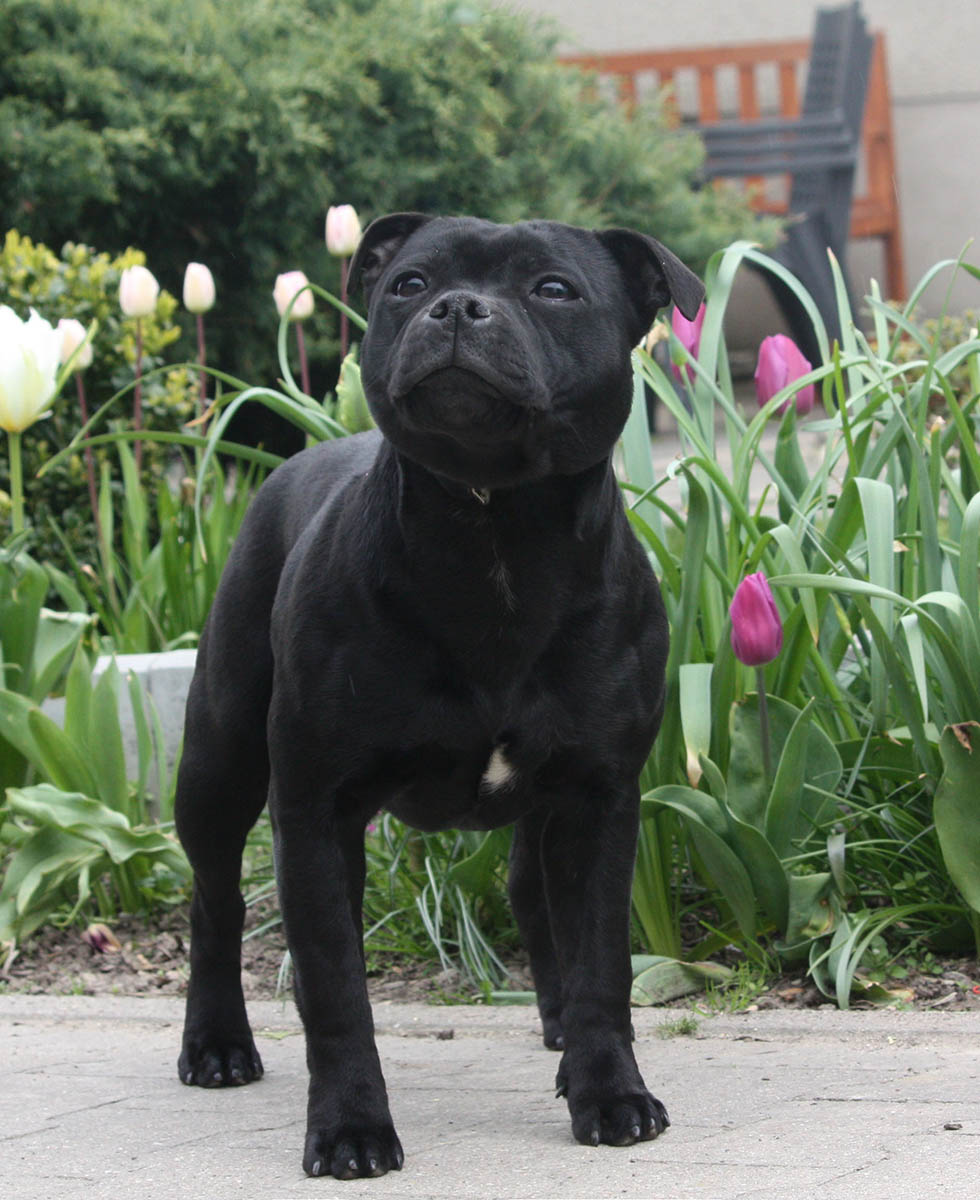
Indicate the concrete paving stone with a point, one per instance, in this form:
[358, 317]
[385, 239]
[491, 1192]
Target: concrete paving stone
[778, 1104]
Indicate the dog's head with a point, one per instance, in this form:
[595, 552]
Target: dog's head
[498, 354]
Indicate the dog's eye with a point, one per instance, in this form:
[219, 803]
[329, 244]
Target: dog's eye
[554, 288]
[409, 285]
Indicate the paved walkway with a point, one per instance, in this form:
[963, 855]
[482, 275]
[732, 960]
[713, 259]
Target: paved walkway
[780, 1105]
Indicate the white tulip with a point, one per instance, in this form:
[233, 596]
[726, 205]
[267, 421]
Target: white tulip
[73, 335]
[287, 285]
[29, 356]
[199, 290]
[343, 230]
[138, 292]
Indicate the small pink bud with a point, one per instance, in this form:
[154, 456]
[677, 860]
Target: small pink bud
[757, 632]
[688, 333]
[287, 285]
[198, 288]
[780, 362]
[72, 336]
[343, 230]
[138, 292]
[100, 937]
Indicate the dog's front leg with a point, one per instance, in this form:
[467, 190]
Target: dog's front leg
[320, 869]
[588, 858]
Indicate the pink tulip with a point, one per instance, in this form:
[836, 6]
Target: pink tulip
[688, 333]
[780, 362]
[757, 632]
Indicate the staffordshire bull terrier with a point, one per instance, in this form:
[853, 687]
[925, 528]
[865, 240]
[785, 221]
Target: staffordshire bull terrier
[450, 618]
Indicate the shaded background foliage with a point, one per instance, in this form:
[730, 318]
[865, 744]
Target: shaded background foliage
[197, 130]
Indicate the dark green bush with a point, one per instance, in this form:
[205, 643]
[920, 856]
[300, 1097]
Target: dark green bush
[220, 133]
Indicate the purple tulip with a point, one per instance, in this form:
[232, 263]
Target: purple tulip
[688, 333]
[780, 362]
[757, 632]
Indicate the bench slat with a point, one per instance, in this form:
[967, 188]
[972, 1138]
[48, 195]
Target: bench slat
[875, 211]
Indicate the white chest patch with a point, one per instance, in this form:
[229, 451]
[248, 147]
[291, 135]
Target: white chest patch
[499, 771]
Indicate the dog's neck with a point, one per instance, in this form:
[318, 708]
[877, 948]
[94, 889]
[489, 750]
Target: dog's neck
[587, 500]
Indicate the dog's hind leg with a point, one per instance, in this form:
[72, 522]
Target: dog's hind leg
[222, 787]
[529, 902]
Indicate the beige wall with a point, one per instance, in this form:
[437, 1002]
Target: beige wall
[934, 70]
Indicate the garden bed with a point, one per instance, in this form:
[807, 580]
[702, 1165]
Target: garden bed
[152, 960]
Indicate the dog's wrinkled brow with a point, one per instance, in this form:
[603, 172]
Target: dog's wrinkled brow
[507, 254]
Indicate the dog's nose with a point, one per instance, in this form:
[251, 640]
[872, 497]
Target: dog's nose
[460, 306]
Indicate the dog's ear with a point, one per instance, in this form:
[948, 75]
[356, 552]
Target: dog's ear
[380, 243]
[653, 276]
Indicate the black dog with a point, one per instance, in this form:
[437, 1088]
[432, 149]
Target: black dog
[451, 619]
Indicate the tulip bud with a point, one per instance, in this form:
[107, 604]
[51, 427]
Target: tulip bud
[287, 285]
[658, 333]
[780, 362]
[101, 938]
[688, 333]
[29, 354]
[757, 632]
[198, 288]
[72, 336]
[138, 292]
[343, 230]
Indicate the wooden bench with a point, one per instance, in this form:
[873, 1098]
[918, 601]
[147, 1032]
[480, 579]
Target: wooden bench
[747, 81]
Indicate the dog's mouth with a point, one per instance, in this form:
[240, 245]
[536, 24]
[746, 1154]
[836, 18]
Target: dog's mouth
[460, 402]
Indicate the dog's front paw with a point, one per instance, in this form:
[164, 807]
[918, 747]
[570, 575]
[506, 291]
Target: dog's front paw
[353, 1152]
[219, 1061]
[607, 1099]
[618, 1120]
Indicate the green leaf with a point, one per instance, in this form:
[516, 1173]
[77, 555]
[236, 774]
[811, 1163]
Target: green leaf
[786, 797]
[109, 763]
[23, 586]
[670, 979]
[95, 822]
[144, 739]
[789, 462]
[706, 826]
[58, 756]
[878, 505]
[748, 793]
[352, 408]
[477, 873]
[768, 875]
[695, 701]
[810, 912]
[14, 711]
[78, 700]
[58, 634]
[956, 809]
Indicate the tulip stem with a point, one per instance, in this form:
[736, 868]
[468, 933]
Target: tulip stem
[304, 367]
[764, 732]
[138, 394]
[344, 335]
[16, 483]
[89, 463]
[201, 359]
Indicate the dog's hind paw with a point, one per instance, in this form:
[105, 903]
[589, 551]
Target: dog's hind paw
[353, 1154]
[212, 1063]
